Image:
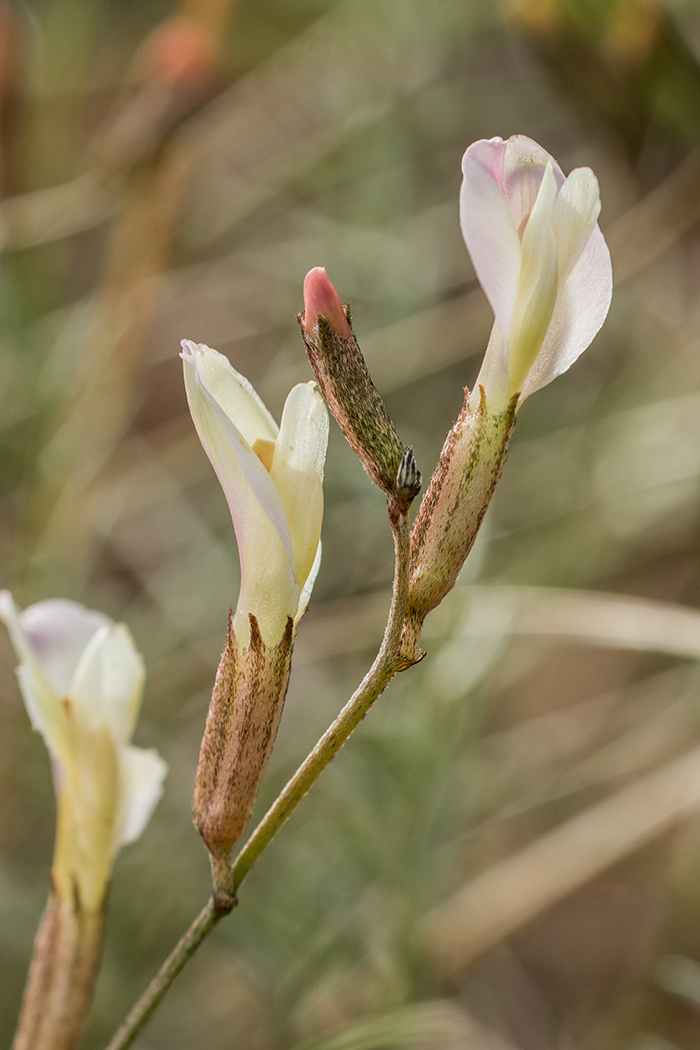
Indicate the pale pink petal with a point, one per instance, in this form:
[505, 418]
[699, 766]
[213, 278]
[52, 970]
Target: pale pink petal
[41, 701]
[489, 233]
[524, 165]
[57, 631]
[581, 308]
[491, 155]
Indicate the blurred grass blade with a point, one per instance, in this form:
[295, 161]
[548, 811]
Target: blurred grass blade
[436, 1024]
[510, 894]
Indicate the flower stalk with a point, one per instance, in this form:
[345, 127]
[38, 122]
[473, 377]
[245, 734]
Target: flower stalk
[544, 265]
[386, 664]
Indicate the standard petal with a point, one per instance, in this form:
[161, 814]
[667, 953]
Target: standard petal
[490, 153]
[524, 165]
[297, 471]
[581, 308]
[248, 487]
[232, 391]
[108, 683]
[42, 703]
[58, 631]
[537, 290]
[142, 775]
[490, 236]
[574, 217]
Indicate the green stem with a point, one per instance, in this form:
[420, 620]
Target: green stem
[371, 687]
[185, 948]
[385, 666]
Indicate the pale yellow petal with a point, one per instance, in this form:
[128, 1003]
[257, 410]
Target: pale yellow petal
[108, 682]
[142, 775]
[297, 470]
[574, 217]
[537, 289]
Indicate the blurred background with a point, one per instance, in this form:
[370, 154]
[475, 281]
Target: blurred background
[506, 856]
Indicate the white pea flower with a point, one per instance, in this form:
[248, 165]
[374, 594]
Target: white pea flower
[272, 478]
[81, 678]
[540, 257]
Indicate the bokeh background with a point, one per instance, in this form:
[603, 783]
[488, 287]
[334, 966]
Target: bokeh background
[506, 856]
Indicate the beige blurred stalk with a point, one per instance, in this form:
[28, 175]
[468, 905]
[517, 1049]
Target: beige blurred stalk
[62, 976]
[138, 166]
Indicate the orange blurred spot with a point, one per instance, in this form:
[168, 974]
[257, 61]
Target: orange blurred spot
[180, 52]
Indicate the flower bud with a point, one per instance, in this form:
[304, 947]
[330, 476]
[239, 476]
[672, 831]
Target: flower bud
[347, 386]
[244, 714]
[272, 478]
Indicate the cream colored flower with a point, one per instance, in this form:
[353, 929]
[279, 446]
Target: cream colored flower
[272, 478]
[540, 257]
[81, 678]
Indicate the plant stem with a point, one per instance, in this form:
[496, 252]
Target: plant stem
[185, 948]
[372, 685]
[385, 666]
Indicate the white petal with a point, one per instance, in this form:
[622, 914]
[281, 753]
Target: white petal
[42, 704]
[58, 631]
[269, 590]
[142, 773]
[236, 395]
[490, 234]
[581, 308]
[308, 587]
[537, 289]
[493, 374]
[248, 487]
[108, 683]
[297, 471]
[574, 217]
[524, 165]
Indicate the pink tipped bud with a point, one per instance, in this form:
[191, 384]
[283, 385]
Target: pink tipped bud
[352, 397]
[322, 300]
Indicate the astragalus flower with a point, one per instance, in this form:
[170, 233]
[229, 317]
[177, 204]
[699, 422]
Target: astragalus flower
[81, 679]
[273, 482]
[540, 257]
[545, 268]
[272, 478]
